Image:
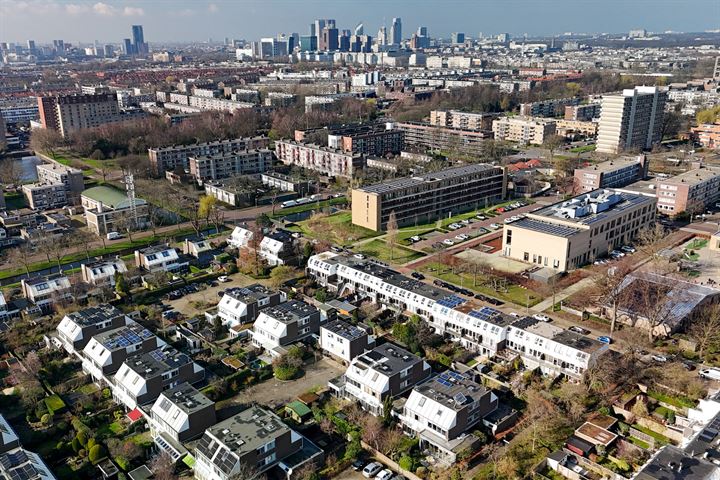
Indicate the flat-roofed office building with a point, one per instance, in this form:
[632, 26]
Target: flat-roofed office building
[417, 200]
[568, 234]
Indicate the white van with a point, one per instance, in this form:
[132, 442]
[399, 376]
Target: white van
[289, 203]
[710, 374]
[113, 235]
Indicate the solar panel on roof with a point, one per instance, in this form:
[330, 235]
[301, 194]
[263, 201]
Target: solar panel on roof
[460, 398]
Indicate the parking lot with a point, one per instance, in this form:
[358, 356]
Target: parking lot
[196, 303]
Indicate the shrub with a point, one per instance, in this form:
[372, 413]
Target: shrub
[406, 463]
[75, 444]
[96, 454]
[46, 419]
[82, 438]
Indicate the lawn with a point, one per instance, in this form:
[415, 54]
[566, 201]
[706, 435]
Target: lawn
[336, 228]
[54, 403]
[676, 401]
[583, 149]
[281, 212]
[639, 443]
[14, 201]
[379, 249]
[659, 438]
[88, 389]
[696, 244]
[515, 293]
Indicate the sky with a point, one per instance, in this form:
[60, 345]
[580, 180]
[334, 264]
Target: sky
[199, 20]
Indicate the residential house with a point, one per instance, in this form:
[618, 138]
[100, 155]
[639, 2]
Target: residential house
[45, 290]
[77, 328]
[159, 258]
[383, 372]
[344, 341]
[242, 305]
[144, 376]
[285, 324]
[102, 272]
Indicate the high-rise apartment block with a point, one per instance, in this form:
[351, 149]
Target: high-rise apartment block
[70, 113]
[418, 200]
[631, 120]
[464, 120]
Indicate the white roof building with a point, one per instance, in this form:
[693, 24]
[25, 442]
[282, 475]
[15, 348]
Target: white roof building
[42, 290]
[241, 305]
[75, 329]
[159, 258]
[103, 272]
[25, 465]
[240, 237]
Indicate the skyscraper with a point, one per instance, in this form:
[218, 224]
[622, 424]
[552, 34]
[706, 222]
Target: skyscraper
[396, 31]
[631, 120]
[127, 46]
[138, 40]
[382, 37]
[359, 29]
[422, 32]
[457, 37]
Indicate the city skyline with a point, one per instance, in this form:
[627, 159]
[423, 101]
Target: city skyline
[109, 21]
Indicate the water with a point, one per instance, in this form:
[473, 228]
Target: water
[27, 164]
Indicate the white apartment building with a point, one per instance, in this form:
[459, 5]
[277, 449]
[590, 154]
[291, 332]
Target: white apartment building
[344, 341]
[631, 120]
[327, 161]
[523, 130]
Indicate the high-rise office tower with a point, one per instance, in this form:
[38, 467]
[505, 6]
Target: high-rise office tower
[457, 37]
[422, 31]
[382, 36]
[631, 120]
[396, 31]
[127, 46]
[308, 43]
[359, 29]
[138, 39]
[329, 39]
[31, 46]
[344, 41]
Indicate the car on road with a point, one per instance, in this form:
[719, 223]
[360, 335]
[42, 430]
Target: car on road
[372, 469]
[659, 358]
[541, 317]
[358, 465]
[385, 474]
[417, 275]
[448, 242]
[605, 339]
[223, 279]
[580, 330]
[710, 374]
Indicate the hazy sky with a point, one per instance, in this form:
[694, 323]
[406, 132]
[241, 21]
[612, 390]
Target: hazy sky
[164, 20]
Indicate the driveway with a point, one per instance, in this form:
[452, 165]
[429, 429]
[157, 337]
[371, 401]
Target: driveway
[209, 296]
[272, 392]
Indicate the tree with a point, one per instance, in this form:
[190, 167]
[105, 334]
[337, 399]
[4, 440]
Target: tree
[125, 222]
[263, 221]
[286, 366]
[46, 140]
[705, 329]
[650, 241]
[22, 255]
[552, 143]
[121, 286]
[163, 467]
[210, 211]
[10, 172]
[392, 233]
[608, 285]
[647, 298]
[281, 274]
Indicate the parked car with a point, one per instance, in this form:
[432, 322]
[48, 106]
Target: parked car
[358, 465]
[372, 469]
[480, 217]
[710, 374]
[448, 242]
[605, 339]
[359, 256]
[414, 238]
[438, 283]
[541, 317]
[223, 279]
[659, 358]
[617, 253]
[689, 366]
[417, 275]
[494, 226]
[462, 237]
[580, 330]
[454, 226]
[628, 249]
[385, 474]
[113, 235]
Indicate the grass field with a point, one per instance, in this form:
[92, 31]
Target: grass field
[336, 228]
[586, 148]
[381, 250]
[515, 293]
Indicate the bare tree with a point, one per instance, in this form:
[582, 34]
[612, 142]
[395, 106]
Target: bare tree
[608, 285]
[647, 299]
[10, 172]
[46, 140]
[651, 241]
[163, 467]
[392, 233]
[552, 143]
[125, 222]
[705, 329]
[22, 255]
